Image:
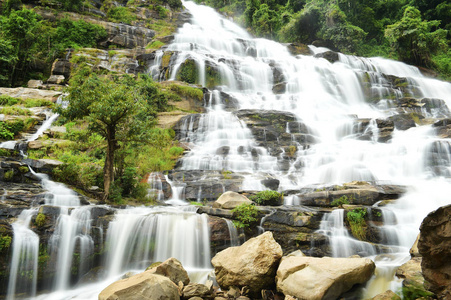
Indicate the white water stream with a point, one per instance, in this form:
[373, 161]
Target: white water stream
[325, 96]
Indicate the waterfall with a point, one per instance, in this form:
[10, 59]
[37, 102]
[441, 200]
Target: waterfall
[341, 128]
[140, 236]
[24, 262]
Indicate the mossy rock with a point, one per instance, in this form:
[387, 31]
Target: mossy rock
[213, 77]
[188, 72]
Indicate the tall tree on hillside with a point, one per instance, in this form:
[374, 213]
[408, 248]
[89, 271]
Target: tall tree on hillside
[415, 39]
[120, 109]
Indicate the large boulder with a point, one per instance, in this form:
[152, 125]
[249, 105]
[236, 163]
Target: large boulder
[230, 200]
[435, 247]
[321, 278]
[252, 265]
[172, 269]
[413, 281]
[143, 286]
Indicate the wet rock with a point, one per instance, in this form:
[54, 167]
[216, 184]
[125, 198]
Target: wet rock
[435, 247]
[172, 269]
[413, 281]
[298, 48]
[404, 121]
[272, 184]
[331, 56]
[141, 286]
[252, 265]
[42, 165]
[279, 88]
[414, 252]
[61, 67]
[387, 295]
[321, 278]
[230, 200]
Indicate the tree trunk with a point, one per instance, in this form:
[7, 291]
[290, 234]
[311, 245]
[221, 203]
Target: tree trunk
[108, 169]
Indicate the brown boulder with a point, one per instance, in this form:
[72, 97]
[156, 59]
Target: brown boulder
[435, 247]
[143, 286]
[252, 265]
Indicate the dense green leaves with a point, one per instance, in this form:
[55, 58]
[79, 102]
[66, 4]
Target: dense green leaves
[415, 39]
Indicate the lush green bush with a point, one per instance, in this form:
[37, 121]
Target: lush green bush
[77, 34]
[37, 103]
[40, 220]
[267, 198]
[120, 14]
[356, 220]
[340, 201]
[246, 215]
[5, 242]
[8, 101]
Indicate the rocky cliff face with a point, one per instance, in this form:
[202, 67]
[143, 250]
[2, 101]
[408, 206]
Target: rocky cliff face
[435, 247]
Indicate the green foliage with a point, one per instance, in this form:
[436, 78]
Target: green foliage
[8, 101]
[246, 215]
[340, 201]
[14, 110]
[77, 34]
[38, 103]
[8, 175]
[120, 14]
[5, 131]
[356, 220]
[442, 63]
[23, 169]
[5, 242]
[188, 72]
[155, 45]
[40, 220]
[187, 91]
[415, 290]
[414, 39]
[267, 197]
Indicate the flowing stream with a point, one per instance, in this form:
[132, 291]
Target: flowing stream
[328, 99]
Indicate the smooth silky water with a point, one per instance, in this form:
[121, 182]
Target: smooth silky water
[326, 97]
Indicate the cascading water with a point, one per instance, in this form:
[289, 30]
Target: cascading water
[24, 261]
[343, 105]
[340, 105]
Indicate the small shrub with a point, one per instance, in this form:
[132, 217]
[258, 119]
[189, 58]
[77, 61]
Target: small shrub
[15, 111]
[8, 175]
[187, 91]
[245, 215]
[121, 14]
[356, 220]
[268, 197]
[40, 220]
[5, 131]
[38, 103]
[5, 242]
[340, 201]
[155, 45]
[23, 169]
[116, 193]
[226, 174]
[8, 100]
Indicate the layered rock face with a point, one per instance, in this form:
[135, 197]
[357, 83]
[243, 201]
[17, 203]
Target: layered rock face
[435, 247]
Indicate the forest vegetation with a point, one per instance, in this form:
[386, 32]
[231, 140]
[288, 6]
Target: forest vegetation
[414, 31]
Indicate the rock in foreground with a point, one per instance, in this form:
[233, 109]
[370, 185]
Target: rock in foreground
[435, 247]
[321, 278]
[252, 265]
[143, 286]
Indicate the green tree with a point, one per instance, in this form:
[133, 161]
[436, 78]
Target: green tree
[415, 39]
[21, 29]
[265, 21]
[119, 109]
